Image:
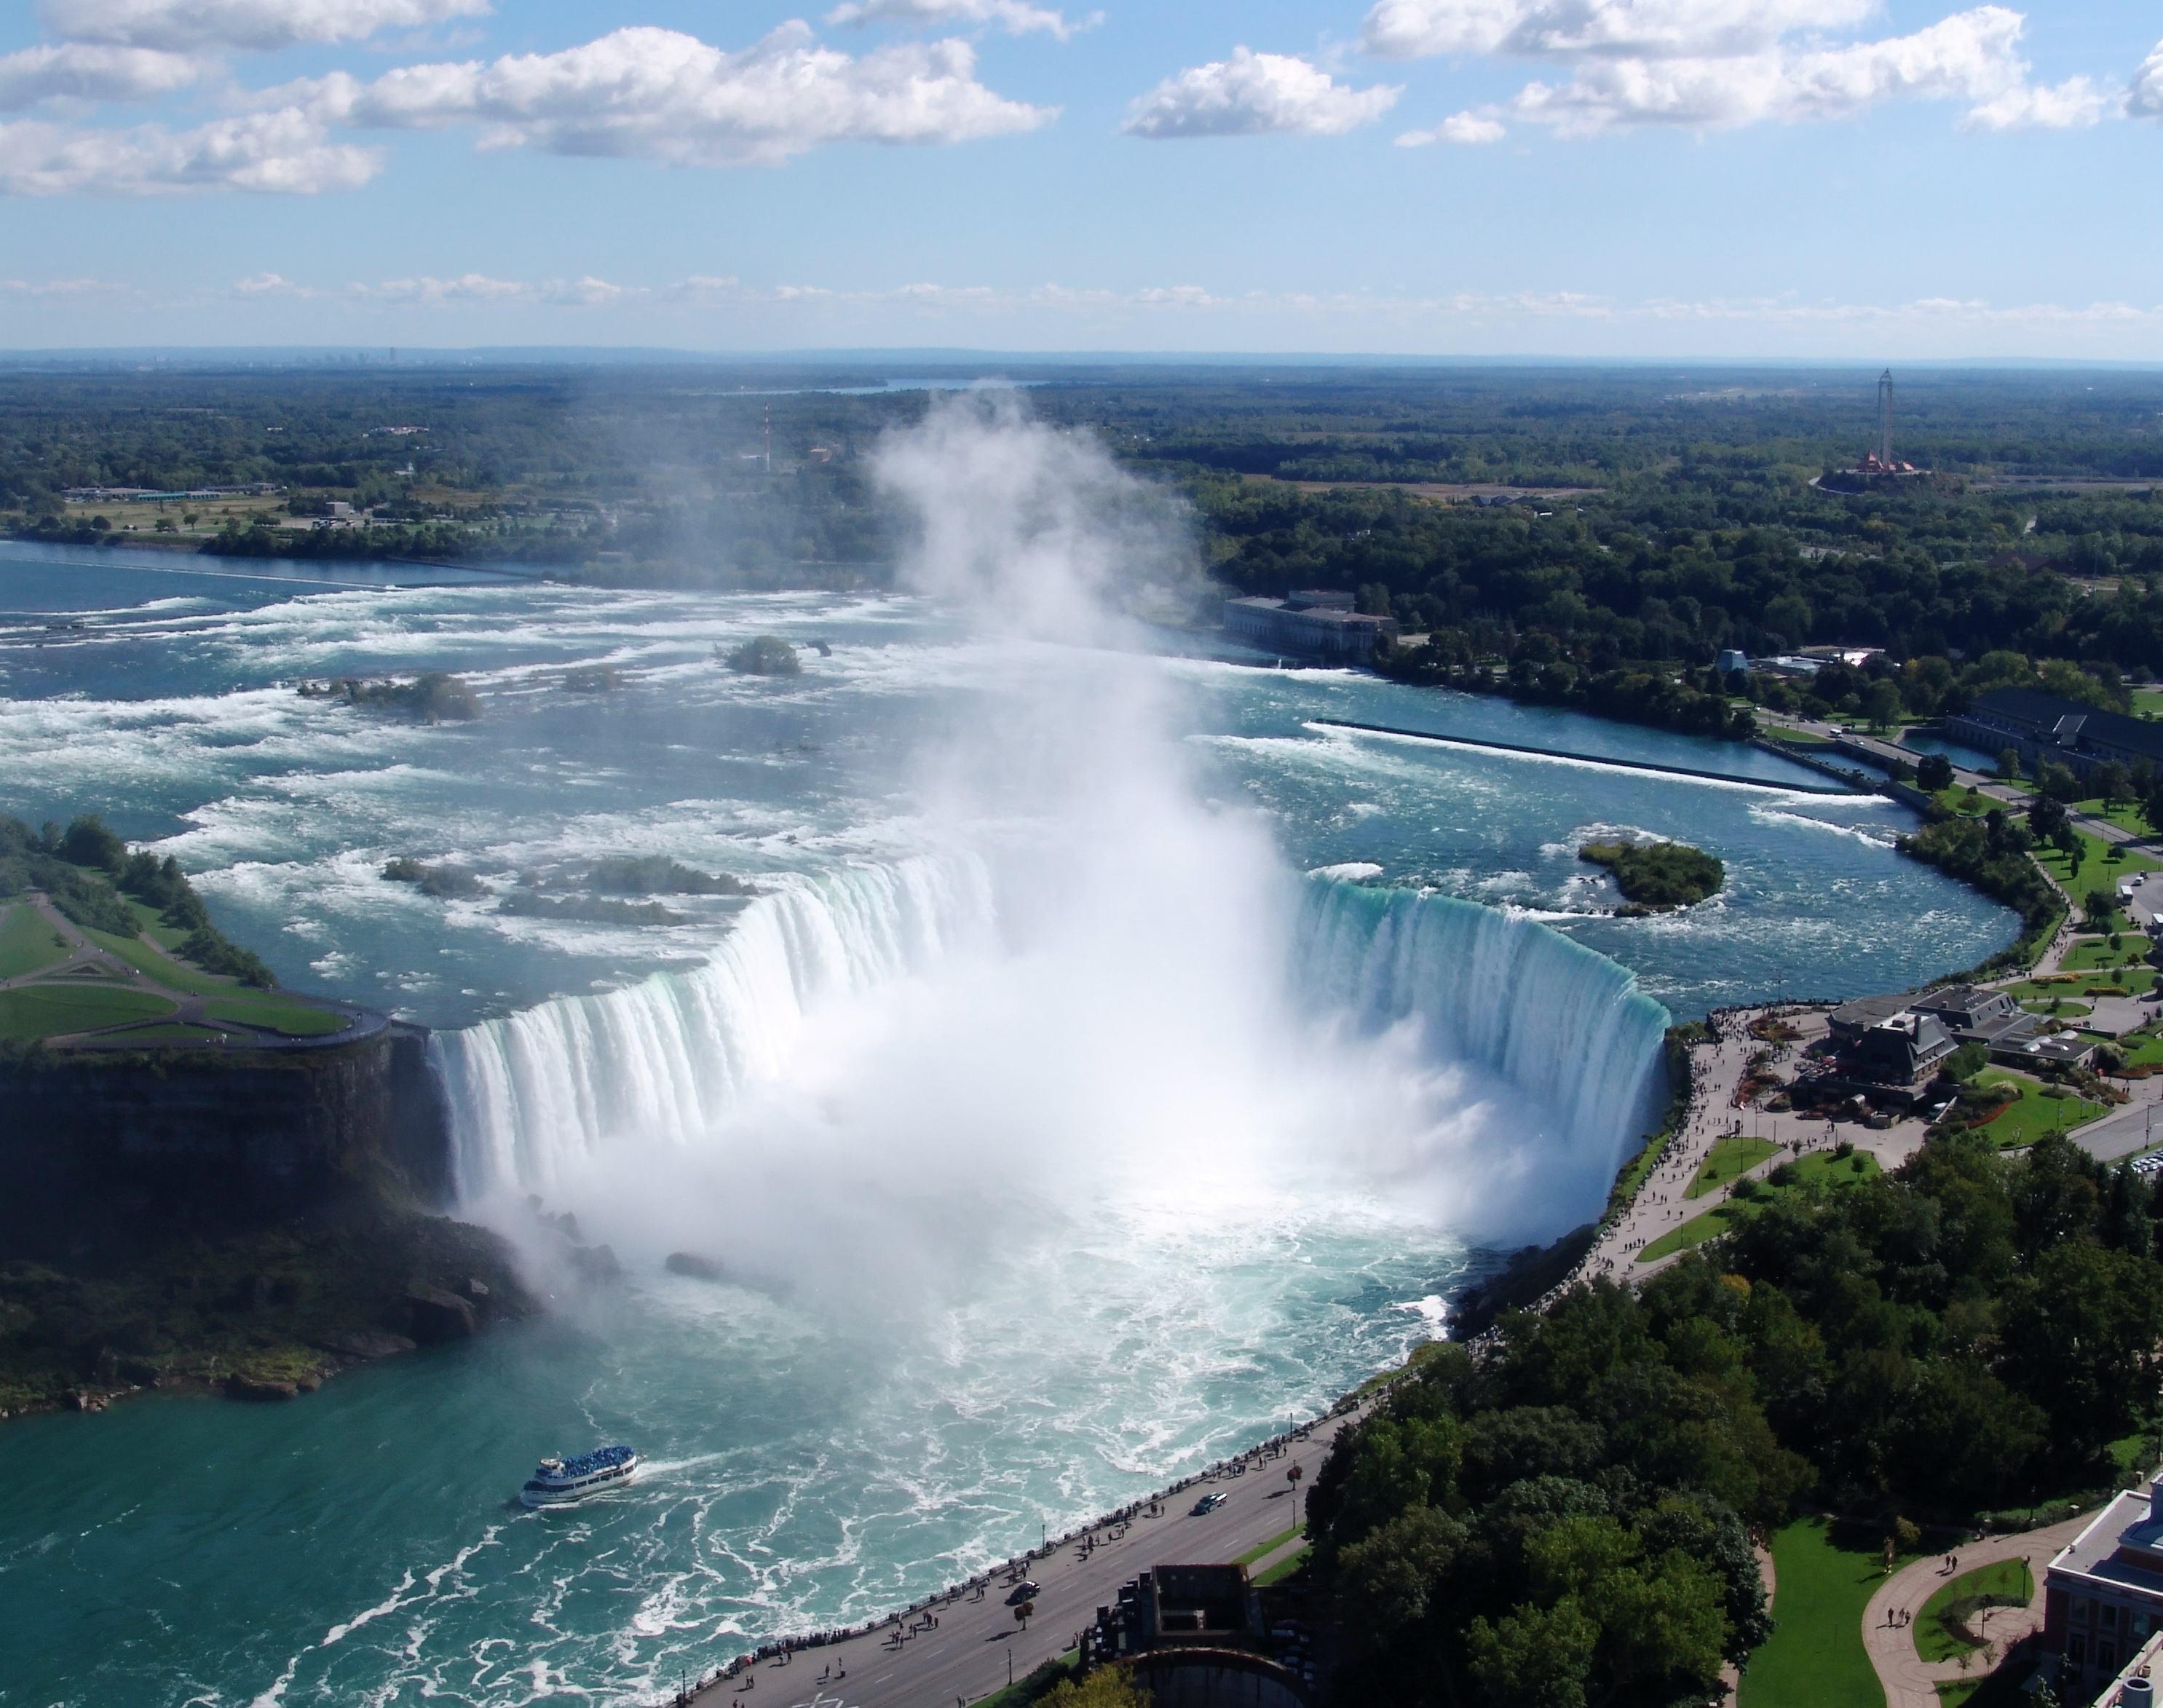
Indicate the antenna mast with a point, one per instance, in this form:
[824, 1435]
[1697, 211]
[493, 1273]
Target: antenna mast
[1885, 418]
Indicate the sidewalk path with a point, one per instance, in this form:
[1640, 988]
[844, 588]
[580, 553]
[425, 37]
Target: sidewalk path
[1909, 1680]
[904, 1664]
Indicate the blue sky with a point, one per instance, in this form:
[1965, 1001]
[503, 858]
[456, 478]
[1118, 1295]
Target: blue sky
[1602, 178]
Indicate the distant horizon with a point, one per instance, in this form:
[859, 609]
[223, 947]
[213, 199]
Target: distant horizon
[389, 356]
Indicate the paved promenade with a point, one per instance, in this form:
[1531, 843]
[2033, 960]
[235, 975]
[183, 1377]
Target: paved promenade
[1909, 1680]
[964, 1652]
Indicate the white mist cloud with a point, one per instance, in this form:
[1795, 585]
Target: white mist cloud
[281, 152]
[1407, 29]
[1718, 64]
[1014, 17]
[87, 71]
[1253, 94]
[1467, 129]
[2145, 100]
[258, 24]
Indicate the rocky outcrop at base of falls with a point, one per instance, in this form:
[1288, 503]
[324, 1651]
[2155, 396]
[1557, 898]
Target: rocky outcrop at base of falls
[252, 1222]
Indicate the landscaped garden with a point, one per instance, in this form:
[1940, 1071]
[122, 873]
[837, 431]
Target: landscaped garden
[1729, 1160]
[1943, 1631]
[1820, 1169]
[2033, 1110]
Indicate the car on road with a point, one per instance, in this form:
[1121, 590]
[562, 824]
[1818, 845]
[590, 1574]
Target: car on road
[1209, 1503]
[1024, 1591]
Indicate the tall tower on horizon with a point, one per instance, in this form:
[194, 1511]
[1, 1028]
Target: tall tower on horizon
[1885, 418]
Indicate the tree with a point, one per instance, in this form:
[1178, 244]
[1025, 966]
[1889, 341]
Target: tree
[1106, 1687]
[2046, 818]
[2101, 907]
[1881, 703]
[2113, 782]
[2009, 763]
[1023, 1613]
[1934, 772]
[1531, 1658]
[1965, 1062]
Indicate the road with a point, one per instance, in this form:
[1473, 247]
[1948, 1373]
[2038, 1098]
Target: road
[968, 1654]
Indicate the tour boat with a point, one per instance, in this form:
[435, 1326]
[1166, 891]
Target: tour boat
[565, 1482]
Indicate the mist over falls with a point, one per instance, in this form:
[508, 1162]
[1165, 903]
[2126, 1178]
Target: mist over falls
[1090, 983]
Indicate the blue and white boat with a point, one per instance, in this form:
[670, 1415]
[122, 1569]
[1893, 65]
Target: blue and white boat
[565, 1482]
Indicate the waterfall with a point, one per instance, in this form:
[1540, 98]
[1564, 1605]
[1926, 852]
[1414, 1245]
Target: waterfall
[535, 1092]
[1559, 1021]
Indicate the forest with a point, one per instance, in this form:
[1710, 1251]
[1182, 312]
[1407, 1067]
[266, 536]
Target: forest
[1631, 524]
[1564, 1520]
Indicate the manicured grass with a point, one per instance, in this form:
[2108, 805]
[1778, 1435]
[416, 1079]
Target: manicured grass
[1958, 799]
[1729, 1159]
[1270, 1547]
[28, 941]
[177, 1032]
[2038, 1110]
[2124, 815]
[46, 1010]
[2148, 702]
[296, 1019]
[2141, 1049]
[1283, 1568]
[2096, 869]
[165, 936]
[1815, 1657]
[1820, 1168]
[156, 963]
[2088, 953]
[1935, 1640]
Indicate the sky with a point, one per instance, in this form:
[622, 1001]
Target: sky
[1605, 179]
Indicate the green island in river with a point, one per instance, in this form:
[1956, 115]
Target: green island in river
[1656, 877]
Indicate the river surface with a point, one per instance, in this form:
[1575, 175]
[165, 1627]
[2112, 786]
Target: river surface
[1000, 1256]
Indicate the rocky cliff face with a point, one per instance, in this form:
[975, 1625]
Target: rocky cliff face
[101, 1151]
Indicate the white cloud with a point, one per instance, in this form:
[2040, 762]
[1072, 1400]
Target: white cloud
[285, 153]
[85, 71]
[665, 95]
[1466, 129]
[1253, 94]
[1405, 29]
[2072, 105]
[1972, 56]
[261, 24]
[2145, 98]
[1014, 17]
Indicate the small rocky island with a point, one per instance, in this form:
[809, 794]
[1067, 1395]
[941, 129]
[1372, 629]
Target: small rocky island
[1658, 878]
[764, 655]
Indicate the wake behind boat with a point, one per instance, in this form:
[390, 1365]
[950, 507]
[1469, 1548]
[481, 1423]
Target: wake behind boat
[565, 1482]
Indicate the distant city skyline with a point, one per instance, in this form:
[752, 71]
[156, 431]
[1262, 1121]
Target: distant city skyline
[1592, 179]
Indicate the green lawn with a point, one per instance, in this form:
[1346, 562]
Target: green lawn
[156, 963]
[28, 941]
[1815, 1657]
[2141, 1049]
[165, 936]
[1728, 1158]
[2124, 815]
[1957, 798]
[2089, 953]
[2039, 1110]
[1270, 1547]
[296, 1019]
[1935, 1640]
[1283, 1568]
[2097, 870]
[45, 1010]
[1820, 1168]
